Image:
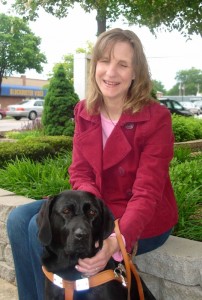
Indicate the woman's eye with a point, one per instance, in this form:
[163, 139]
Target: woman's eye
[123, 65]
[103, 60]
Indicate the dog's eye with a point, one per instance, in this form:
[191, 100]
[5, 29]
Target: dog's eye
[91, 213]
[66, 211]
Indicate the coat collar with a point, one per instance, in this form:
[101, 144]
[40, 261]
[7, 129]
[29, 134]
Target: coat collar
[140, 116]
[117, 146]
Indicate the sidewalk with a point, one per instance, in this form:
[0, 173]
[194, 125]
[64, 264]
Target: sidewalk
[8, 291]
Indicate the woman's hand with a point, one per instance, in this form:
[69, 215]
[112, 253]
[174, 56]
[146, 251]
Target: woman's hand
[91, 266]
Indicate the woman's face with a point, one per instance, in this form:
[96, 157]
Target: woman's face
[115, 71]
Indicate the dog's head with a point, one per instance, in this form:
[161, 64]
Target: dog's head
[73, 221]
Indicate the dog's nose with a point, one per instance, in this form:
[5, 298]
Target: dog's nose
[80, 233]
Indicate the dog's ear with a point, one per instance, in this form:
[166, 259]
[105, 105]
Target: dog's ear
[107, 223]
[43, 221]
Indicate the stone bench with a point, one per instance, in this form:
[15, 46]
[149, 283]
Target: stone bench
[8, 201]
[172, 272]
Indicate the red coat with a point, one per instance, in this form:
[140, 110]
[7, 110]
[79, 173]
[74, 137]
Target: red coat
[131, 174]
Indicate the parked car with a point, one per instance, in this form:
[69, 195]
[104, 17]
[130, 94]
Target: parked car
[30, 109]
[2, 113]
[192, 107]
[198, 103]
[175, 107]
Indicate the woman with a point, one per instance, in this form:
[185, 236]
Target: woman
[123, 145]
[122, 148]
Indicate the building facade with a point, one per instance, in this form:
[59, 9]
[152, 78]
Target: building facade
[16, 89]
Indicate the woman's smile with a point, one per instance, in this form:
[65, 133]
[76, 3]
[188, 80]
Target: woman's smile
[111, 83]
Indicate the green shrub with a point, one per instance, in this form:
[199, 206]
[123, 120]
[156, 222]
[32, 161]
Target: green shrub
[186, 129]
[59, 143]
[181, 129]
[196, 127]
[59, 104]
[36, 148]
[13, 150]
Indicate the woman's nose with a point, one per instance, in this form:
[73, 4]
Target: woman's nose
[111, 69]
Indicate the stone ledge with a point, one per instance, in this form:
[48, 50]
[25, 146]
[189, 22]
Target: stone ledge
[5, 193]
[168, 290]
[195, 145]
[172, 291]
[12, 200]
[7, 273]
[178, 260]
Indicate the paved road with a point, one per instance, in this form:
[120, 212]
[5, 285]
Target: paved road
[12, 124]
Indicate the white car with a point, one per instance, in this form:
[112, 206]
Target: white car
[192, 107]
[198, 103]
[31, 109]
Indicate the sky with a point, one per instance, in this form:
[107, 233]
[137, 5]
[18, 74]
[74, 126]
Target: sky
[167, 53]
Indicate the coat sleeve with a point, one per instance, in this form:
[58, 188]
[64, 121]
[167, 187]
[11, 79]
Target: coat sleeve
[151, 178]
[81, 173]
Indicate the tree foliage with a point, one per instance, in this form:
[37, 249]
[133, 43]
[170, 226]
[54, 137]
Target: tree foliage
[88, 49]
[19, 47]
[68, 64]
[158, 86]
[174, 91]
[189, 82]
[68, 60]
[183, 15]
[59, 104]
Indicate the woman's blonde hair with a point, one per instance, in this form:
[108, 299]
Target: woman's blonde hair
[140, 89]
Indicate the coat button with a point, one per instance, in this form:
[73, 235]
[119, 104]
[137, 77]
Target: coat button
[129, 193]
[121, 171]
[129, 125]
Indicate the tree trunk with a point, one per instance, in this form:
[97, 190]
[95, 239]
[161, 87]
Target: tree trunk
[101, 22]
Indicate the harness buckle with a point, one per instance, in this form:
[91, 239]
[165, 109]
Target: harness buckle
[120, 271]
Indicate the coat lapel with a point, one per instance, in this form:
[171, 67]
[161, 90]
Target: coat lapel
[90, 143]
[116, 148]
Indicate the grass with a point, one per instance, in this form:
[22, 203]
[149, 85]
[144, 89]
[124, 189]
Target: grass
[186, 179]
[36, 180]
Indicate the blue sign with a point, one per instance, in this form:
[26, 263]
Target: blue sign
[22, 91]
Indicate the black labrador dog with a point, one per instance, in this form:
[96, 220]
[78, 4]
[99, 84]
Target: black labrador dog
[70, 225]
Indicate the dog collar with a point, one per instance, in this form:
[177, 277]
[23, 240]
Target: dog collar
[84, 283]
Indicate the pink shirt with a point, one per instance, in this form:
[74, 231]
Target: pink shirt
[107, 128]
